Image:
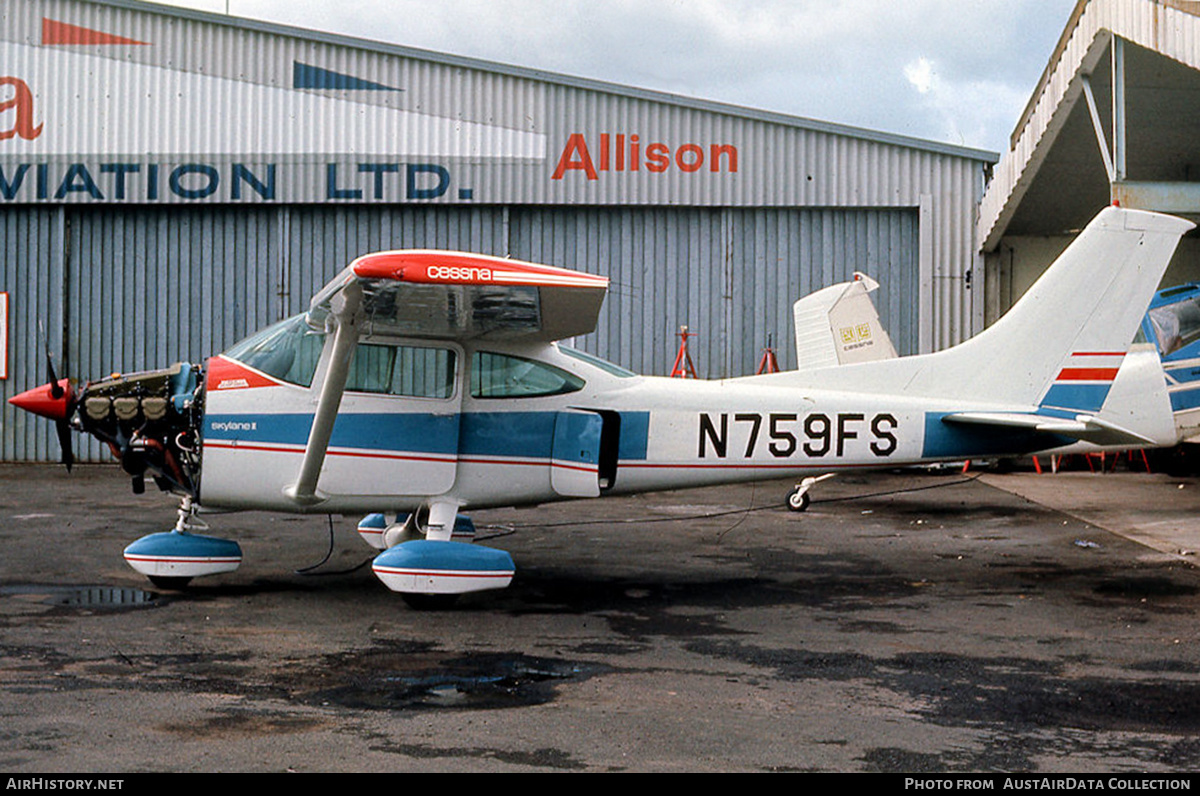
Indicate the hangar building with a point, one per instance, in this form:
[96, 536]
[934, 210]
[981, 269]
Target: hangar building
[172, 180]
[1114, 118]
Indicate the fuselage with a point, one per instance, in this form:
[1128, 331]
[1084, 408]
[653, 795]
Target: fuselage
[484, 423]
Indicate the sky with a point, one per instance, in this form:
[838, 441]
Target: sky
[953, 71]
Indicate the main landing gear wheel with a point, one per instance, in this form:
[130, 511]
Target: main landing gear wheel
[169, 583]
[429, 602]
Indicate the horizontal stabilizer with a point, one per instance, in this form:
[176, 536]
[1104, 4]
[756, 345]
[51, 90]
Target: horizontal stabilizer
[839, 325]
[1086, 428]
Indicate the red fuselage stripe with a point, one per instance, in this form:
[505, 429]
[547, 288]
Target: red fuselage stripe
[1087, 374]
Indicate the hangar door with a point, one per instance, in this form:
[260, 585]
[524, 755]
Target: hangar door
[131, 288]
[731, 275]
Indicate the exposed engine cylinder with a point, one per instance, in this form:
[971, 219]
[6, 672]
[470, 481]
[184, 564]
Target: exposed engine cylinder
[150, 421]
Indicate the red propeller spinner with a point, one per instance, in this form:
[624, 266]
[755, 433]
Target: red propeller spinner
[52, 400]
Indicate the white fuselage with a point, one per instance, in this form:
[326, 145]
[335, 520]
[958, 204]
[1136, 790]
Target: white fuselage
[615, 434]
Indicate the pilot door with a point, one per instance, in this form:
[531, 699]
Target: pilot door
[397, 429]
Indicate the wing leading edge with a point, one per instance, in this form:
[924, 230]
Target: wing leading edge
[461, 296]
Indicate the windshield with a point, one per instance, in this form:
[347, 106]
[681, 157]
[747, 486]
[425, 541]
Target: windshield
[1176, 325]
[288, 351]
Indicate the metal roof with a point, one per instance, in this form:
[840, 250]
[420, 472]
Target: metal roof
[1053, 178]
[570, 81]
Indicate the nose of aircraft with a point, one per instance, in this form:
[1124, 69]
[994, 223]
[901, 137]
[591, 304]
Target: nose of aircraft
[51, 400]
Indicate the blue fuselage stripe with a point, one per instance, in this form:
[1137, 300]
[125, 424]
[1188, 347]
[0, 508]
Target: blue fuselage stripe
[953, 440]
[1083, 397]
[511, 434]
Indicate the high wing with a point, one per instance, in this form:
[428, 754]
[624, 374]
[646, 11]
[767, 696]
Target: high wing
[442, 295]
[460, 296]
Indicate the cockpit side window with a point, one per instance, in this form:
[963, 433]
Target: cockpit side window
[409, 371]
[1176, 325]
[496, 375]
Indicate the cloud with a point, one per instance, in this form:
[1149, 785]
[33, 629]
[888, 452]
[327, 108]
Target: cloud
[938, 69]
[920, 74]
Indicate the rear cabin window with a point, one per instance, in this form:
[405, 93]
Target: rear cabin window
[505, 376]
[608, 367]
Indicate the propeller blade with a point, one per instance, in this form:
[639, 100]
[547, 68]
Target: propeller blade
[55, 400]
[64, 443]
[56, 389]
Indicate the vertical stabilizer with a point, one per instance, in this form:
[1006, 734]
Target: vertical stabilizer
[1062, 343]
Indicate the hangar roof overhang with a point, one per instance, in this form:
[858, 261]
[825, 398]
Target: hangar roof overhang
[1054, 177]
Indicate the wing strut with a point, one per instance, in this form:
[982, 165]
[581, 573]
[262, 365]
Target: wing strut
[345, 340]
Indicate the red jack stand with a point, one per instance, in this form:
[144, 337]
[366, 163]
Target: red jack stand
[684, 369]
[768, 363]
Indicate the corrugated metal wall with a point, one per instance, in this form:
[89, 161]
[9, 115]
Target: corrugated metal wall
[195, 176]
[731, 275]
[141, 287]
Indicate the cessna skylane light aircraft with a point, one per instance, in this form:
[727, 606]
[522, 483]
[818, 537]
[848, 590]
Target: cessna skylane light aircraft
[422, 383]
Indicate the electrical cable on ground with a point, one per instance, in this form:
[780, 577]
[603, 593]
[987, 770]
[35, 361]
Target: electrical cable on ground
[715, 514]
[329, 554]
[501, 530]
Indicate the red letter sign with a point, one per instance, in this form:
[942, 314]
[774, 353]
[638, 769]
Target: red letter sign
[22, 103]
